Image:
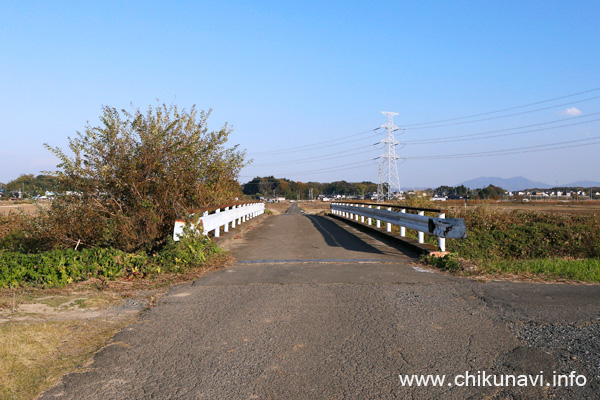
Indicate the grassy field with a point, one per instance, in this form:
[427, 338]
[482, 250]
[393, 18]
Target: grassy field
[589, 207]
[552, 241]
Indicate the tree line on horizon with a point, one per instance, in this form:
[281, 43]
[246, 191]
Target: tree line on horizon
[270, 186]
[31, 185]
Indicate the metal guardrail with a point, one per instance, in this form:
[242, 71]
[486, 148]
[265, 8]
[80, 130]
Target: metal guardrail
[213, 218]
[442, 227]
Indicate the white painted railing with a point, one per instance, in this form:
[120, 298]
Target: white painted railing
[215, 218]
[442, 227]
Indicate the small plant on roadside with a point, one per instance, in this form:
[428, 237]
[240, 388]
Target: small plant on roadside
[449, 262]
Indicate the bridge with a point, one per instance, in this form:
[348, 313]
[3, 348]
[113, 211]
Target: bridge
[317, 308]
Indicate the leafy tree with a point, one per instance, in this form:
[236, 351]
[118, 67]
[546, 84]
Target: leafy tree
[491, 192]
[136, 173]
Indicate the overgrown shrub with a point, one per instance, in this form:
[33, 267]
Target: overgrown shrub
[131, 177]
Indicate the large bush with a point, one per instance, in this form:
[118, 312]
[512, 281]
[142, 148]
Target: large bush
[127, 180]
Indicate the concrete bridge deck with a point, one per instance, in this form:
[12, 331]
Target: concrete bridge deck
[314, 309]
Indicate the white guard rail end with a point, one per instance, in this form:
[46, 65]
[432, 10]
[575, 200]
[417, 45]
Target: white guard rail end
[214, 218]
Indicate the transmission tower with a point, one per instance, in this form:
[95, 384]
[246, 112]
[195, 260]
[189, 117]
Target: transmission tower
[390, 167]
[379, 186]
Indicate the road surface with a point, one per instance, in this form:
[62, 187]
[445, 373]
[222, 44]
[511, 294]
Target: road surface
[315, 309]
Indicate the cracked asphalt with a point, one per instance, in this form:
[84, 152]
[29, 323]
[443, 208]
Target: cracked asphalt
[316, 309]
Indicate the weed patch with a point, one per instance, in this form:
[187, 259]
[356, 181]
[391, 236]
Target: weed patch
[550, 246]
[57, 268]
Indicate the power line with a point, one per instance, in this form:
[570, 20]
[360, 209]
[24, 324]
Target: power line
[321, 170]
[335, 141]
[415, 126]
[505, 109]
[318, 144]
[321, 157]
[517, 150]
[505, 116]
[475, 136]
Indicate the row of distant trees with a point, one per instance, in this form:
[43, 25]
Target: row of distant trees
[491, 192]
[31, 185]
[270, 186]
[461, 191]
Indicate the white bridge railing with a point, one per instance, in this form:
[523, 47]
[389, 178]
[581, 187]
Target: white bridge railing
[442, 227]
[212, 219]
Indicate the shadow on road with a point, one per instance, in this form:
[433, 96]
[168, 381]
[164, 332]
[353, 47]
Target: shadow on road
[337, 237]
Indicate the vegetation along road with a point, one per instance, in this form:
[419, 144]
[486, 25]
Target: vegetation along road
[315, 309]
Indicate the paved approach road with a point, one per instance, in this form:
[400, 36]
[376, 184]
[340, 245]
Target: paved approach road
[315, 309]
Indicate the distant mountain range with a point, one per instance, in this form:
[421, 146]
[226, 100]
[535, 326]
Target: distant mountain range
[520, 183]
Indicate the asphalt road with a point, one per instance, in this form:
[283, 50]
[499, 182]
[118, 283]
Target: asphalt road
[315, 309]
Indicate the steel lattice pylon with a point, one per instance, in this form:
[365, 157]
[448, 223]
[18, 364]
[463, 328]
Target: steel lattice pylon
[389, 166]
[380, 195]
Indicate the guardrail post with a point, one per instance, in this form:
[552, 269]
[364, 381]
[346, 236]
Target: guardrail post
[378, 221]
[362, 217]
[356, 205]
[441, 240]
[218, 228]
[421, 235]
[403, 229]
[389, 226]
[369, 219]
[235, 219]
[204, 214]
[226, 227]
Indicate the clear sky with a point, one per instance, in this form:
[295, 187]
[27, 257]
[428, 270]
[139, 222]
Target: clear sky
[303, 83]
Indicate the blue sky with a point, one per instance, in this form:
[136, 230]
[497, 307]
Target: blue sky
[303, 83]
